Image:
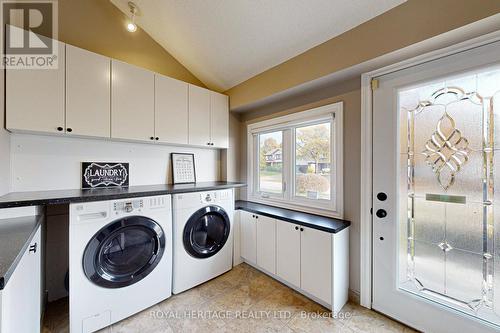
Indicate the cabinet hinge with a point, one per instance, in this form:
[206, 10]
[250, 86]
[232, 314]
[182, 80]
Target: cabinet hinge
[374, 84]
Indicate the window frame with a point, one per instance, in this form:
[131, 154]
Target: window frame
[288, 124]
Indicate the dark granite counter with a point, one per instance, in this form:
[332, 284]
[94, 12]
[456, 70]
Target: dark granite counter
[19, 199]
[323, 223]
[15, 237]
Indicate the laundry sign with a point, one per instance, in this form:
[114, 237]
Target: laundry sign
[105, 174]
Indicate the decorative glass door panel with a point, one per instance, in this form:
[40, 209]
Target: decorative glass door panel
[449, 223]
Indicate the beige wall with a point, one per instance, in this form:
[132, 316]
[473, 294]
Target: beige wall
[98, 26]
[349, 93]
[409, 23]
[4, 145]
[230, 163]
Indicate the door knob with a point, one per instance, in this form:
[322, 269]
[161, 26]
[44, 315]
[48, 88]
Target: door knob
[381, 213]
[382, 196]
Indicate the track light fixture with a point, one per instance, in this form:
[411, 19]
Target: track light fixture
[131, 26]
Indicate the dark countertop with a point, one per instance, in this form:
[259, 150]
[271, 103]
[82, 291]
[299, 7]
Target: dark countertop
[15, 237]
[323, 223]
[19, 199]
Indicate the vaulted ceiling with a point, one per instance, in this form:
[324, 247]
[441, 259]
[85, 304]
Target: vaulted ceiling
[225, 42]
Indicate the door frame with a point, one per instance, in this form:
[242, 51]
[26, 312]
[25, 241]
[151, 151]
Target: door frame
[366, 250]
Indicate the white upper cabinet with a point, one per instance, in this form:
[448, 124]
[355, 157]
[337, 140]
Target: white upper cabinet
[316, 261]
[171, 110]
[132, 102]
[95, 96]
[35, 98]
[88, 93]
[208, 118]
[199, 116]
[219, 123]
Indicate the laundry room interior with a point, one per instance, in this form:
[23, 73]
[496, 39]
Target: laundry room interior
[249, 166]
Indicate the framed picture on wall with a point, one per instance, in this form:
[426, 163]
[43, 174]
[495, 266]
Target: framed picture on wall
[183, 168]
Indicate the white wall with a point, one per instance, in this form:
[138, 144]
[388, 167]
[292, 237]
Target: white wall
[50, 163]
[4, 144]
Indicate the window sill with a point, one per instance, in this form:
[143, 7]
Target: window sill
[296, 206]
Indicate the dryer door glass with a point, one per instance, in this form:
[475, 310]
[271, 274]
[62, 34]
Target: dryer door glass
[124, 252]
[206, 232]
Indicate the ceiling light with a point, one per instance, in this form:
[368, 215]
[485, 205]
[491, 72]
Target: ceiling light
[131, 26]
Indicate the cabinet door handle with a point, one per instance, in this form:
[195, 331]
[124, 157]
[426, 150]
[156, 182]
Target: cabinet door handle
[152, 138]
[32, 248]
[157, 138]
[296, 228]
[60, 129]
[69, 130]
[301, 229]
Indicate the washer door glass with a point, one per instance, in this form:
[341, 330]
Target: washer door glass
[124, 252]
[206, 232]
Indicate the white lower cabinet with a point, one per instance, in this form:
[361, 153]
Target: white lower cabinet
[20, 299]
[288, 252]
[314, 262]
[248, 237]
[266, 243]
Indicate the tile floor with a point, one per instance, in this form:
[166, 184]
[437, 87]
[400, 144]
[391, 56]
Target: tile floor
[242, 300]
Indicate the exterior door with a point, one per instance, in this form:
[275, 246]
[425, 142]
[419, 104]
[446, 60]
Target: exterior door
[436, 226]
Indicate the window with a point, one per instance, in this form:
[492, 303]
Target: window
[270, 162]
[295, 161]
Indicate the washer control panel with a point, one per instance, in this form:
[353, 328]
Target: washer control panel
[128, 206]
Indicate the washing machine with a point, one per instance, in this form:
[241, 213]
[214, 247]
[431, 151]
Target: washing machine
[120, 259]
[203, 237]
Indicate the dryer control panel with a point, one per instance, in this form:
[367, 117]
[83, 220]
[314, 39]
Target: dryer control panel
[207, 197]
[214, 196]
